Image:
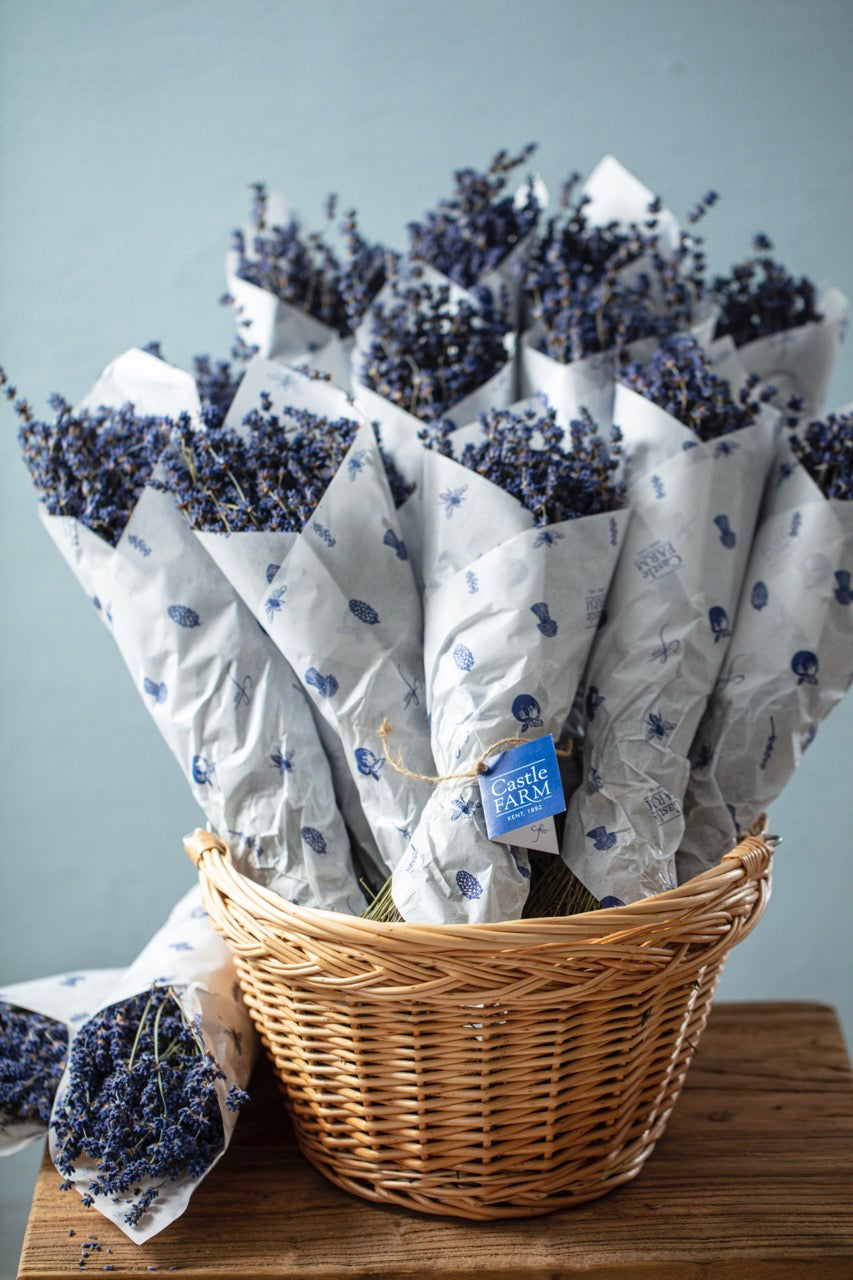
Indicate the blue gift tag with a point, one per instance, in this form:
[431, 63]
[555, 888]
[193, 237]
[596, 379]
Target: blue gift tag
[521, 792]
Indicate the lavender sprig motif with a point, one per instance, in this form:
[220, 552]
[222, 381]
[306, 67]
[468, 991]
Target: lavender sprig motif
[679, 378]
[760, 297]
[264, 477]
[427, 351]
[526, 454]
[825, 449]
[33, 1052]
[142, 1104]
[304, 270]
[471, 233]
[577, 291]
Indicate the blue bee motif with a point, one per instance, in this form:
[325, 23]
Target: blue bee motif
[703, 757]
[595, 780]
[323, 534]
[463, 657]
[594, 700]
[469, 886]
[759, 595]
[138, 544]
[658, 487]
[725, 448]
[452, 498]
[728, 537]
[274, 602]
[601, 838]
[271, 571]
[399, 546]
[364, 612]
[804, 665]
[796, 522]
[614, 531]
[472, 582]
[463, 808]
[718, 620]
[180, 946]
[610, 901]
[72, 980]
[667, 647]
[355, 463]
[368, 763]
[546, 623]
[283, 761]
[548, 538]
[184, 616]
[202, 771]
[158, 692]
[657, 728]
[527, 712]
[842, 592]
[314, 839]
[326, 686]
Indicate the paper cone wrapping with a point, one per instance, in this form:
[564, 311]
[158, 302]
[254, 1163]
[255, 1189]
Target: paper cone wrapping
[789, 662]
[654, 663]
[509, 614]
[189, 957]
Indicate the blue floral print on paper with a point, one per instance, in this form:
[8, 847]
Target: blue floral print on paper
[202, 771]
[453, 498]
[271, 571]
[283, 760]
[595, 780]
[138, 544]
[548, 538]
[355, 463]
[472, 582]
[843, 593]
[759, 595]
[368, 763]
[391, 540]
[658, 488]
[725, 448]
[657, 728]
[601, 838]
[527, 712]
[412, 689]
[364, 612]
[326, 686]
[469, 886]
[614, 531]
[718, 621]
[769, 745]
[546, 623]
[463, 657]
[463, 808]
[184, 616]
[593, 701]
[323, 534]
[157, 691]
[666, 649]
[804, 665]
[314, 839]
[274, 603]
[728, 537]
[243, 690]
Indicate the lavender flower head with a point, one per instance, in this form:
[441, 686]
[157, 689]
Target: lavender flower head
[679, 379]
[304, 270]
[825, 449]
[428, 350]
[141, 1108]
[470, 234]
[526, 454]
[270, 475]
[760, 297]
[33, 1052]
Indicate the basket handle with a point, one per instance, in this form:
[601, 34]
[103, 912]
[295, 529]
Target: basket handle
[754, 853]
[200, 842]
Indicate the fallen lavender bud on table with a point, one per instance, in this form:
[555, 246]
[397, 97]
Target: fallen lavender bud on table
[141, 1107]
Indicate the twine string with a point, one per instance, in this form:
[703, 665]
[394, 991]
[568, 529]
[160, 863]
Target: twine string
[479, 767]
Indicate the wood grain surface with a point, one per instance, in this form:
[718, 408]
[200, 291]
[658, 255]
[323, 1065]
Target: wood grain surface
[753, 1180]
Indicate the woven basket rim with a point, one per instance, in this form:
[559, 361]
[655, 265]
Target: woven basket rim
[748, 861]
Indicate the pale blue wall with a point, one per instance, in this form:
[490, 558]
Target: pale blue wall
[128, 134]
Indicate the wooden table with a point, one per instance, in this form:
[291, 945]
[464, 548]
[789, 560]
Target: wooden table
[753, 1180]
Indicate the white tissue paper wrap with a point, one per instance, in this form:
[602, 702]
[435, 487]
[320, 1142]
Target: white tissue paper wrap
[69, 998]
[653, 665]
[340, 602]
[186, 955]
[218, 690]
[510, 610]
[789, 662]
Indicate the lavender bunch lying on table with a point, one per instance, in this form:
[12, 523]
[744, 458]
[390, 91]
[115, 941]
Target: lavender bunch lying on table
[788, 657]
[698, 447]
[288, 501]
[522, 531]
[141, 1104]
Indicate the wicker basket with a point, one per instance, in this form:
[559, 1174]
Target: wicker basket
[483, 1071]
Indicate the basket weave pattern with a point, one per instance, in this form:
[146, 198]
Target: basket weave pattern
[483, 1071]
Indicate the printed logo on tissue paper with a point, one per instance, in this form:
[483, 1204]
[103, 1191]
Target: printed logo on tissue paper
[658, 560]
[520, 794]
[594, 608]
[662, 806]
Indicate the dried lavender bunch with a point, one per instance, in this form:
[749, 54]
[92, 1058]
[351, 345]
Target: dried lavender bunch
[33, 1053]
[760, 297]
[428, 351]
[92, 465]
[470, 234]
[304, 270]
[679, 379]
[141, 1102]
[269, 476]
[577, 292]
[825, 449]
[526, 454]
